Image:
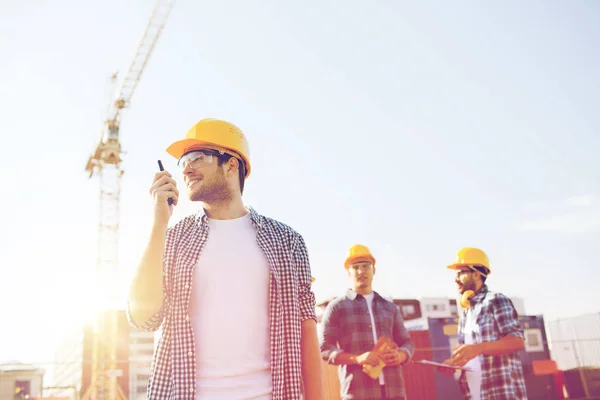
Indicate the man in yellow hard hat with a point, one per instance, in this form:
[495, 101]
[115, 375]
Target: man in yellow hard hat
[231, 288]
[489, 335]
[350, 328]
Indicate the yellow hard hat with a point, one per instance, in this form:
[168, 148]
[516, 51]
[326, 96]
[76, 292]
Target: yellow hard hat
[358, 252]
[471, 257]
[214, 134]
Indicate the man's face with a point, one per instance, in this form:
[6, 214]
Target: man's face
[465, 279]
[206, 181]
[361, 273]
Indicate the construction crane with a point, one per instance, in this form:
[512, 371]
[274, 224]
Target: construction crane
[105, 162]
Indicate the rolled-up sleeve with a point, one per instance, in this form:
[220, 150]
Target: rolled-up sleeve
[506, 317]
[329, 333]
[157, 319]
[153, 323]
[402, 336]
[306, 296]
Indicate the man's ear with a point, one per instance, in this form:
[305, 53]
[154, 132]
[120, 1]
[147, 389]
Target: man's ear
[232, 166]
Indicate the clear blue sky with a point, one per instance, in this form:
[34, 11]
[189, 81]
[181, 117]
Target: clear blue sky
[411, 127]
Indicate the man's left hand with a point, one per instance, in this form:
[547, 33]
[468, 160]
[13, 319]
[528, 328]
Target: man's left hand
[393, 357]
[464, 353]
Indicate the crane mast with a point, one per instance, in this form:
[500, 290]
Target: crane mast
[105, 162]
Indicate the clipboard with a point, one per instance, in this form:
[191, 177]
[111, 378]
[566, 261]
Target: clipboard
[437, 364]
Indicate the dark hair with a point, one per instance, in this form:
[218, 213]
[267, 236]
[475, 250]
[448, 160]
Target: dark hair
[221, 159]
[482, 272]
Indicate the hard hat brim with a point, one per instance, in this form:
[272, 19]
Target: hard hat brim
[358, 259]
[179, 148]
[458, 266]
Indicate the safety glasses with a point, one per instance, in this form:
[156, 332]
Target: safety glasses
[197, 158]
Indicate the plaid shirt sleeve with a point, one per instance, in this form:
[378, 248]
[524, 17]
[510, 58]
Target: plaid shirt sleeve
[306, 296]
[329, 335]
[401, 335]
[157, 319]
[506, 317]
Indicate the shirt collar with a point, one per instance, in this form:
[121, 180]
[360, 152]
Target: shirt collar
[255, 217]
[352, 295]
[479, 295]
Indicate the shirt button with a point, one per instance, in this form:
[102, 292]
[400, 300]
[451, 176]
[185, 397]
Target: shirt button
[369, 325]
[192, 389]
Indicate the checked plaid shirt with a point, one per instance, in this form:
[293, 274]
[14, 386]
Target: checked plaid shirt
[346, 327]
[291, 301]
[501, 376]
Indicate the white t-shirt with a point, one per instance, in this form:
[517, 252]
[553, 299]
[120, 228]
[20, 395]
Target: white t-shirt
[369, 298]
[474, 375]
[230, 314]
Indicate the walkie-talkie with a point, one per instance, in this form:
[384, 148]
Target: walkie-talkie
[160, 167]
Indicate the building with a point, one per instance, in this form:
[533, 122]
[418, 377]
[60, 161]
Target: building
[68, 361]
[141, 350]
[437, 307]
[135, 348]
[20, 381]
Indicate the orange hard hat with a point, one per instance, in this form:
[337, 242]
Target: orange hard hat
[357, 253]
[214, 134]
[470, 257]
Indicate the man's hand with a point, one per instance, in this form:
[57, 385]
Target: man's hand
[464, 353]
[368, 357]
[446, 371]
[393, 357]
[163, 188]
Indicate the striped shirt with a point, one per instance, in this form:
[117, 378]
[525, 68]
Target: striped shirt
[501, 376]
[346, 327]
[291, 301]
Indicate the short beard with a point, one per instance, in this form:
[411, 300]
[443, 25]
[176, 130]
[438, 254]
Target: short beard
[215, 191]
[469, 286]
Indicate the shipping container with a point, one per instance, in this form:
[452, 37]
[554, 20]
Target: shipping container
[536, 349]
[582, 383]
[419, 379]
[575, 342]
[443, 338]
[417, 312]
